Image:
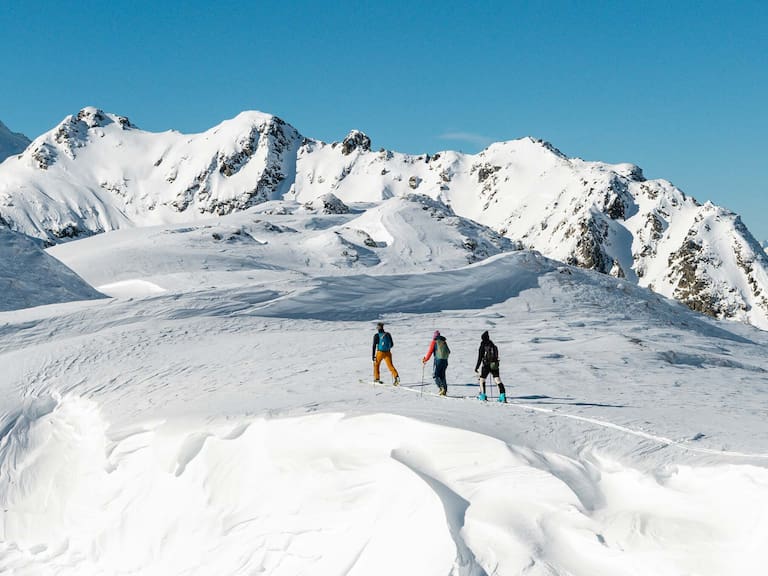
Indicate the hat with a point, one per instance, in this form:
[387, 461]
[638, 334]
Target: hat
[436, 334]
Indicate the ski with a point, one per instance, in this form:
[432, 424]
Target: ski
[416, 389]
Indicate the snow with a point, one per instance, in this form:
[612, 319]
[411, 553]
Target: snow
[30, 277]
[215, 415]
[130, 289]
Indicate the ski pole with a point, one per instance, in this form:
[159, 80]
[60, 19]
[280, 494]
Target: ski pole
[421, 392]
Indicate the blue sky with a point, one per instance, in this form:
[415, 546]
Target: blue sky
[679, 88]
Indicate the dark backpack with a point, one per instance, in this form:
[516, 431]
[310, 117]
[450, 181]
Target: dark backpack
[441, 349]
[491, 355]
[385, 342]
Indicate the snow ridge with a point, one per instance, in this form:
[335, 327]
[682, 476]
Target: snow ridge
[30, 277]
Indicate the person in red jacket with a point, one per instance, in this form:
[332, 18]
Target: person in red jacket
[439, 347]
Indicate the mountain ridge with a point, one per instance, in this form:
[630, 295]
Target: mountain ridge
[96, 172]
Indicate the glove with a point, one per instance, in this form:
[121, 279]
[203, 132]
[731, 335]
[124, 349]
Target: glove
[423, 360]
[373, 360]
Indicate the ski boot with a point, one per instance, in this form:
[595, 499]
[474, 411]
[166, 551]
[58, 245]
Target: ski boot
[503, 398]
[443, 392]
[482, 397]
[397, 381]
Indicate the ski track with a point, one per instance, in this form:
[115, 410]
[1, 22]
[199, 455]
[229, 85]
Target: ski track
[597, 422]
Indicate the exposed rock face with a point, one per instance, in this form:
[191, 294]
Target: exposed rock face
[327, 204]
[355, 140]
[697, 269]
[270, 141]
[97, 172]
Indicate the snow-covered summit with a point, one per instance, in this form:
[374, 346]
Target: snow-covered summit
[11, 142]
[97, 172]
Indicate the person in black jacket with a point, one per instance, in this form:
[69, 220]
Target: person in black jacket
[382, 350]
[488, 356]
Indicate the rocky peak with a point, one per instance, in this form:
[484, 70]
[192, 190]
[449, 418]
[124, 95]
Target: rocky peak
[630, 172]
[355, 140]
[546, 146]
[92, 117]
[73, 133]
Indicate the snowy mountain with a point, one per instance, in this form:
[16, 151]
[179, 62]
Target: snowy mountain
[11, 142]
[97, 172]
[30, 277]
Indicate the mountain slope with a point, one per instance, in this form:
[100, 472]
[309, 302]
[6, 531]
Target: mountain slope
[11, 142]
[30, 277]
[97, 172]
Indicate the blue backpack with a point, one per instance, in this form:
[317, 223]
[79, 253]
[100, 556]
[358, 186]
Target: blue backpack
[385, 342]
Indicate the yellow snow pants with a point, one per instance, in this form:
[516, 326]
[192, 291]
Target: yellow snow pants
[386, 357]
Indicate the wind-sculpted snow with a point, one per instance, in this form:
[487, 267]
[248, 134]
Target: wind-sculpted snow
[328, 494]
[365, 297]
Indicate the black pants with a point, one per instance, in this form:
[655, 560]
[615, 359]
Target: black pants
[484, 371]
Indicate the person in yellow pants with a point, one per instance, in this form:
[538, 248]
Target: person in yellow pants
[382, 350]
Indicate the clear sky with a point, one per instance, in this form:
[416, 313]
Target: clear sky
[677, 87]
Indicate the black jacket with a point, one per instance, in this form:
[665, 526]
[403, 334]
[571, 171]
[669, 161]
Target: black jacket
[485, 342]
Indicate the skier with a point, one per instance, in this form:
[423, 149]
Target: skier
[440, 348]
[488, 356]
[382, 346]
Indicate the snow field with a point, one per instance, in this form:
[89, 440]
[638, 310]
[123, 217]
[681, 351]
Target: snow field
[375, 494]
[219, 426]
